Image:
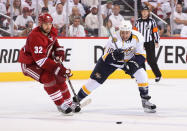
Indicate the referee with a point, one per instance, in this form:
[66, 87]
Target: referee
[148, 28]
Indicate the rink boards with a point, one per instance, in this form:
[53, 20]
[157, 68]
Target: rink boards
[83, 53]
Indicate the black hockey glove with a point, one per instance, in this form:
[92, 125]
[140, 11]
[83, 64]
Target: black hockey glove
[118, 54]
[134, 64]
[131, 67]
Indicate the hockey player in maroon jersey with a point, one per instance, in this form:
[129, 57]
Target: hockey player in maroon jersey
[40, 59]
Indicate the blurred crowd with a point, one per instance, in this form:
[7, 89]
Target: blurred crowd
[84, 20]
[178, 22]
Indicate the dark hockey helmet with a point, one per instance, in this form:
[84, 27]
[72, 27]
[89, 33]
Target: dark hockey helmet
[45, 18]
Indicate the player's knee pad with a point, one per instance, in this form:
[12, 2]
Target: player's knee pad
[141, 76]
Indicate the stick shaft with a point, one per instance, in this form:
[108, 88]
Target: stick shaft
[71, 86]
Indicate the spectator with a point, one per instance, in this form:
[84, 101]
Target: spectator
[4, 1]
[61, 1]
[92, 22]
[58, 17]
[164, 30]
[185, 6]
[116, 18]
[44, 10]
[51, 7]
[152, 5]
[76, 30]
[3, 11]
[28, 29]
[63, 31]
[106, 9]
[161, 28]
[89, 3]
[3, 8]
[79, 6]
[7, 26]
[164, 12]
[107, 25]
[179, 19]
[75, 13]
[49, 4]
[42, 3]
[31, 6]
[64, 3]
[164, 9]
[17, 8]
[21, 20]
[168, 31]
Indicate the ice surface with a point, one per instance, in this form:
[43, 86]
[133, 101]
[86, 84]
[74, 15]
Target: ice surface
[25, 106]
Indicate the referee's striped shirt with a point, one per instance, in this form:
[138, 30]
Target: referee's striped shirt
[148, 28]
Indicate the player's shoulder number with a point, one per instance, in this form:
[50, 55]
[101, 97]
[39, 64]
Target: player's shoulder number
[38, 49]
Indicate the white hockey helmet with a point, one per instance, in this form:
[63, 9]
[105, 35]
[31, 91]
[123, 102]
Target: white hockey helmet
[125, 26]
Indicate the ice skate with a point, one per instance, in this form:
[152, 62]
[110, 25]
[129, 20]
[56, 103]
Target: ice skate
[148, 106]
[157, 79]
[75, 106]
[65, 109]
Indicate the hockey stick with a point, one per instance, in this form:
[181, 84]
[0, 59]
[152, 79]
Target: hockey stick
[125, 64]
[83, 104]
[71, 86]
[107, 19]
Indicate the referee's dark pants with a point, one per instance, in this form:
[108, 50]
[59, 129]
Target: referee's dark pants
[151, 59]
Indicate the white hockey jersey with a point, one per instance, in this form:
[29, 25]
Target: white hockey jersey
[133, 46]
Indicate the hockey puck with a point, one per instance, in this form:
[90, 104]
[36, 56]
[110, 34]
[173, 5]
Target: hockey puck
[119, 122]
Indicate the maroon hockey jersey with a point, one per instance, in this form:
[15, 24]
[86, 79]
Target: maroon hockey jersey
[38, 49]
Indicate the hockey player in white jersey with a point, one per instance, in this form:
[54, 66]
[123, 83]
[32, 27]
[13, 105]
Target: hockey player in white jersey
[129, 55]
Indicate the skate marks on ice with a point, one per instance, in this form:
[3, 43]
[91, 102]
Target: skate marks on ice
[33, 107]
[136, 116]
[128, 116]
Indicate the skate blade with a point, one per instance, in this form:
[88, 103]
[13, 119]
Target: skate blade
[69, 114]
[149, 110]
[85, 103]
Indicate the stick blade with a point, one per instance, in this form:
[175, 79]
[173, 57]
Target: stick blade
[86, 102]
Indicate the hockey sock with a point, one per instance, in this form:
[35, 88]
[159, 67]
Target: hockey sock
[143, 91]
[65, 93]
[55, 94]
[82, 94]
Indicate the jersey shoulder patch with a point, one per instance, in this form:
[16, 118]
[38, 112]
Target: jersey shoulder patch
[135, 37]
[114, 40]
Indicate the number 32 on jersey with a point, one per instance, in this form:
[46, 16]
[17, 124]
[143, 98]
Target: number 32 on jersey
[38, 49]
